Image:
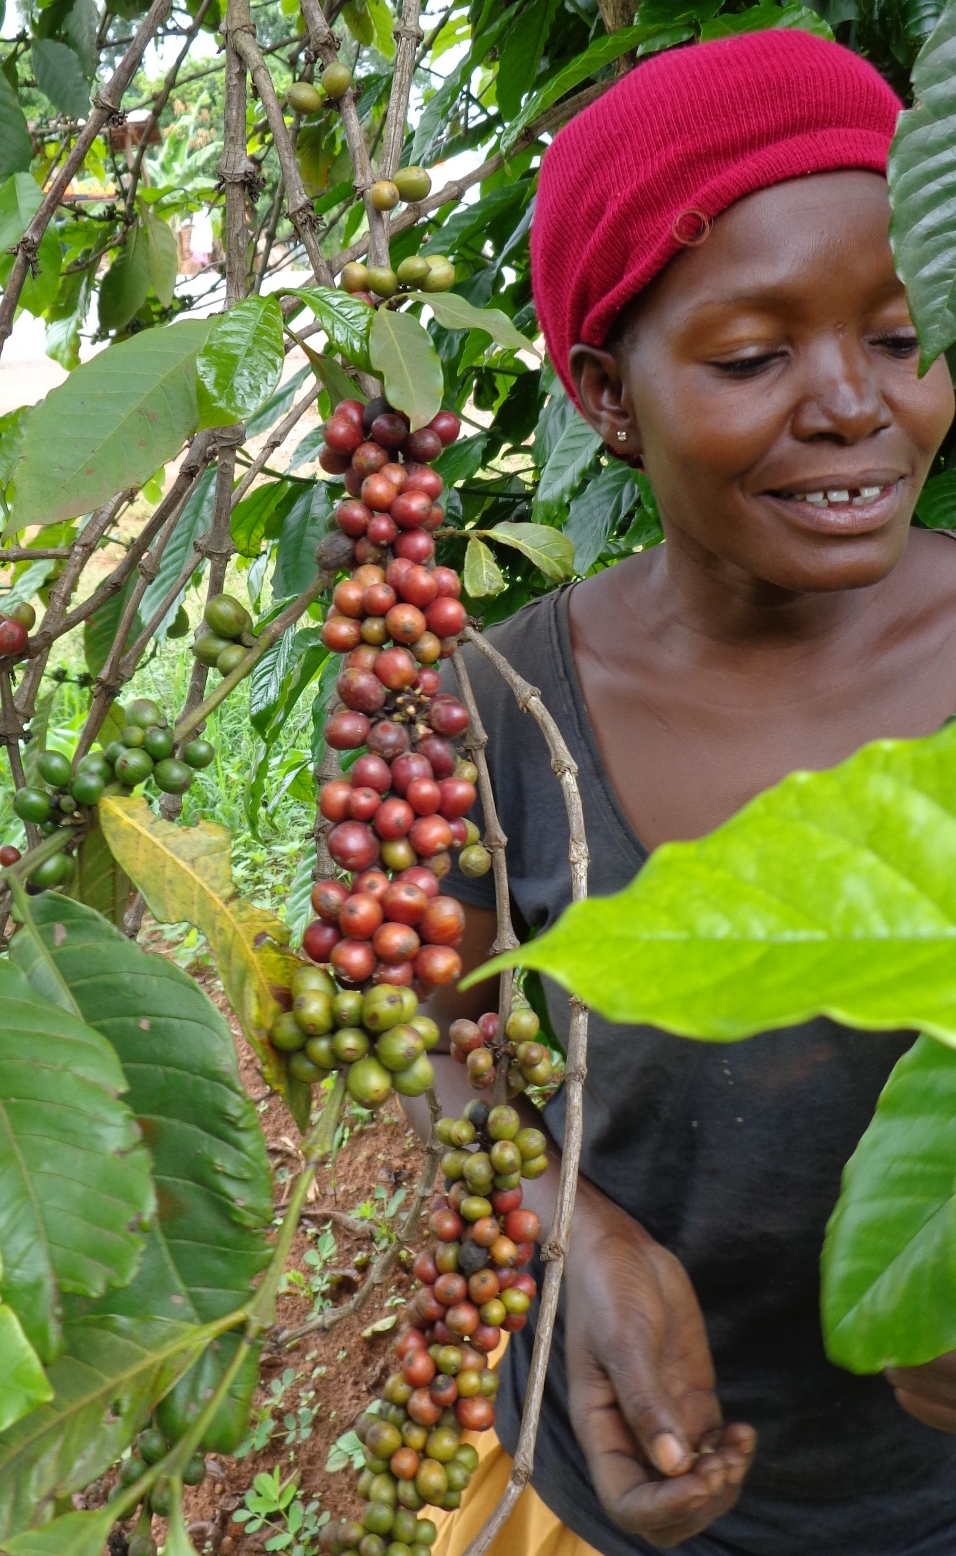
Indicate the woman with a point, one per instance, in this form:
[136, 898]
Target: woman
[715, 283]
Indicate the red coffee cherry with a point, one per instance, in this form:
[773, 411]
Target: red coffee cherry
[415, 546]
[379, 599]
[445, 616]
[394, 473]
[352, 410]
[404, 903]
[334, 799]
[382, 530]
[352, 518]
[333, 463]
[360, 917]
[437, 965]
[353, 960]
[363, 804]
[341, 434]
[447, 582]
[341, 634]
[418, 1368]
[386, 739]
[424, 796]
[446, 424]
[320, 940]
[418, 875]
[353, 480]
[408, 767]
[393, 819]
[352, 845]
[441, 755]
[346, 731]
[396, 943]
[475, 1415]
[395, 668]
[418, 587]
[391, 429]
[457, 797]
[348, 597]
[429, 835]
[370, 772]
[368, 458]
[425, 444]
[405, 623]
[379, 493]
[419, 478]
[409, 508]
[361, 690]
[327, 899]
[443, 922]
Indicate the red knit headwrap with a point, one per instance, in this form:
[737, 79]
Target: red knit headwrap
[643, 171]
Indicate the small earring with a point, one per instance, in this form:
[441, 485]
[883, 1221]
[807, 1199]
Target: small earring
[621, 435]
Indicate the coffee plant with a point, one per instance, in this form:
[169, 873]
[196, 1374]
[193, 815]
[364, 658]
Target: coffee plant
[419, 474]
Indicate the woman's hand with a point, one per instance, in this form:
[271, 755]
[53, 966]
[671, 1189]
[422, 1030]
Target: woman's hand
[928, 1392]
[642, 1385]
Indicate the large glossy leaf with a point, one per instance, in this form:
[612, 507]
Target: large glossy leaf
[569, 459]
[16, 149]
[604, 50]
[163, 256]
[20, 199]
[185, 874]
[23, 1383]
[922, 180]
[241, 363]
[520, 54]
[59, 76]
[832, 893]
[936, 504]
[124, 287]
[74, 1534]
[74, 1181]
[889, 1261]
[111, 1372]
[302, 528]
[757, 18]
[251, 516]
[115, 420]
[401, 350]
[208, 1241]
[481, 574]
[457, 313]
[281, 676]
[194, 521]
[345, 319]
[597, 511]
[549, 549]
[99, 882]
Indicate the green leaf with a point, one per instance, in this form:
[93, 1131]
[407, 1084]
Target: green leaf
[99, 630]
[13, 428]
[281, 676]
[163, 257]
[185, 873]
[463, 459]
[345, 319]
[114, 421]
[302, 528]
[253, 513]
[520, 54]
[333, 378]
[99, 882]
[550, 551]
[38, 291]
[124, 287]
[922, 184]
[276, 405]
[604, 50]
[733, 934]
[756, 18]
[401, 350]
[16, 149]
[73, 1178]
[889, 1260]
[936, 503]
[241, 362]
[572, 454]
[109, 1376]
[213, 1183]
[59, 75]
[359, 22]
[193, 522]
[596, 512]
[440, 106]
[457, 313]
[23, 1383]
[75, 1534]
[20, 199]
[482, 575]
[178, 1542]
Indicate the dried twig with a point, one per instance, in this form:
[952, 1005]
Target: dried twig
[555, 1249]
[408, 35]
[106, 104]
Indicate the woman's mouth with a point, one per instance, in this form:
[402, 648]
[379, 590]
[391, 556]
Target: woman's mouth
[840, 510]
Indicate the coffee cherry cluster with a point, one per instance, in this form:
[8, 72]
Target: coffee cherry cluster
[151, 1446]
[477, 1045]
[225, 636]
[472, 1290]
[379, 1037]
[15, 628]
[401, 810]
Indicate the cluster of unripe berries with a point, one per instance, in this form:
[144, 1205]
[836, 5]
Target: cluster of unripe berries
[472, 1290]
[144, 750]
[149, 1448]
[336, 79]
[478, 1046]
[15, 628]
[225, 636]
[378, 1038]
[401, 809]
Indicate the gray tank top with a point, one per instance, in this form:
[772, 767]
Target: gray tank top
[730, 1156]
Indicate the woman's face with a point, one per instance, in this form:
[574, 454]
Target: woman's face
[768, 380]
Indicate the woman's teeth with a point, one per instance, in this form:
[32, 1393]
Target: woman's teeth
[861, 496]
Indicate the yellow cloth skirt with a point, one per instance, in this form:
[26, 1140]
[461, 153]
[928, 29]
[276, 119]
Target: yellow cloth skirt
[532, 1529]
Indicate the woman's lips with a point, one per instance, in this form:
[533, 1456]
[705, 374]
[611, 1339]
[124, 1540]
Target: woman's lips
[859, 514]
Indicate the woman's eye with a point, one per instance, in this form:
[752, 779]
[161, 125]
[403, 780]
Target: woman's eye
[747, 367]
[905, 344]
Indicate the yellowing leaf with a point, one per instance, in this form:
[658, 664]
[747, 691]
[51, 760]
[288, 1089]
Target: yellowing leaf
[185, 874]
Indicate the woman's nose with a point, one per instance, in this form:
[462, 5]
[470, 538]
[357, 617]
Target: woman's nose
[843, 398]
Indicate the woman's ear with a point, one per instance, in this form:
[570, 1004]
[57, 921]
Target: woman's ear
[605, 401]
